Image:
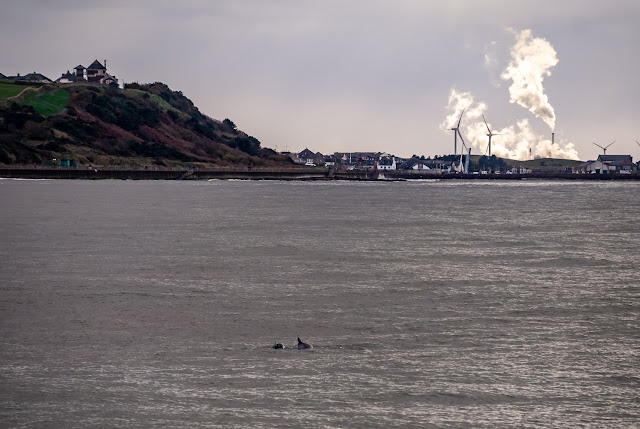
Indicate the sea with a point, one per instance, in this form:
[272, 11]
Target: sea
[430, 304]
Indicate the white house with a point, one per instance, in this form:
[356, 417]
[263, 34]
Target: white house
[387, 163]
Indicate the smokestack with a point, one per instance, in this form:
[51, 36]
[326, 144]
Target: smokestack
[553, 138]
[105, 64]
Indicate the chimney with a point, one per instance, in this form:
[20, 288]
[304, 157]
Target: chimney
[553, 138]
[105, 64]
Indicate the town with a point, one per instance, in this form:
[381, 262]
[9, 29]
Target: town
[474, 164]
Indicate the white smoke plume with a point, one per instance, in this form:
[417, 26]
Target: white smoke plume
[519, 142]
[546, 149]
[531, 59]
[457, 102]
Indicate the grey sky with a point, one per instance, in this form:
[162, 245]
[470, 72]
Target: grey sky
[349, 75]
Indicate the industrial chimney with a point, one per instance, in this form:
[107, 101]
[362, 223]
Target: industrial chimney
[553, 138]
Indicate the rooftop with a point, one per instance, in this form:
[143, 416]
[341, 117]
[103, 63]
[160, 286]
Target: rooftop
[96, 66]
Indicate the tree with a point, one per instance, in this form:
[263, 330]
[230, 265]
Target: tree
[229, 123]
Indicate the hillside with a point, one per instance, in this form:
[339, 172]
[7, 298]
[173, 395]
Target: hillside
[493, 163]
[137, 126]
[547, 164]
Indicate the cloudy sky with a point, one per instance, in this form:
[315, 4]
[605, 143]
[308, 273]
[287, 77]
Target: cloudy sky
[364, 75]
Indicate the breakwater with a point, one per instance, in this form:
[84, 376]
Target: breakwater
[127, 173]
[263, 173]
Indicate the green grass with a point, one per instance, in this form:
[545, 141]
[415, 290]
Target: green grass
[58, 99]
[10, 90]
[550, 164]
[161, 101]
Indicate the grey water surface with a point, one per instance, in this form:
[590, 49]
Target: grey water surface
[428, 303]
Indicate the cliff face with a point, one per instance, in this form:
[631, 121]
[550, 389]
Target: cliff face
[139, 125]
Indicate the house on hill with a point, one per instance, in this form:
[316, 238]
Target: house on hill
[95, 73]
[67, 77]
[77, 76]
[31, 78]
[2, 76]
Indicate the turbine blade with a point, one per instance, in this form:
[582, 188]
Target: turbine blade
[638, 142]
[611, 143]
[463, 143]
[485, 122]
[460, 117]
[598, 145]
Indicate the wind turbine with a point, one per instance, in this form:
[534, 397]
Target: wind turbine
[604, 148]
[466, 167]
[456, 131]
[490, 134]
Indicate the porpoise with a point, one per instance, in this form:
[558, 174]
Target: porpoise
[302, 345]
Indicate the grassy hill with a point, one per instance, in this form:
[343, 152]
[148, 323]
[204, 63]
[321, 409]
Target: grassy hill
[546, 164]
[9, 89]
[140, 125]
[493, 163]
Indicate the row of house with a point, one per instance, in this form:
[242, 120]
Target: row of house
[366, 161]
[606, 164]
[28, 78]
[96, 73]
[383, 161]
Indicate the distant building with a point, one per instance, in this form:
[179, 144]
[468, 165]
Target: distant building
[608, 164]
[591, 167]
[386, 163]
[366, 165]
[31, 78]
[2, 76]
[67, 77]
[618, 163]
[309, 157]
[423, 164]
[80, 72]
[95, 73]
[67, 161]
[329, 161]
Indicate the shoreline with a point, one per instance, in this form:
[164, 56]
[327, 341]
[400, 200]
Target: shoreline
[120, 173]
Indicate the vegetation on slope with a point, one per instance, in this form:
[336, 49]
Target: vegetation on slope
[139, 125]
[48, 103]
[8, 89]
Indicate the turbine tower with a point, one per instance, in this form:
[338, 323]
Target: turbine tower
[490, 134]
[456, 131]
[604, 148]
[465, 169]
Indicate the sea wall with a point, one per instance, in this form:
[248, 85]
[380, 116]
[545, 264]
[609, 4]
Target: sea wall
[123, 173]
[317, 173]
